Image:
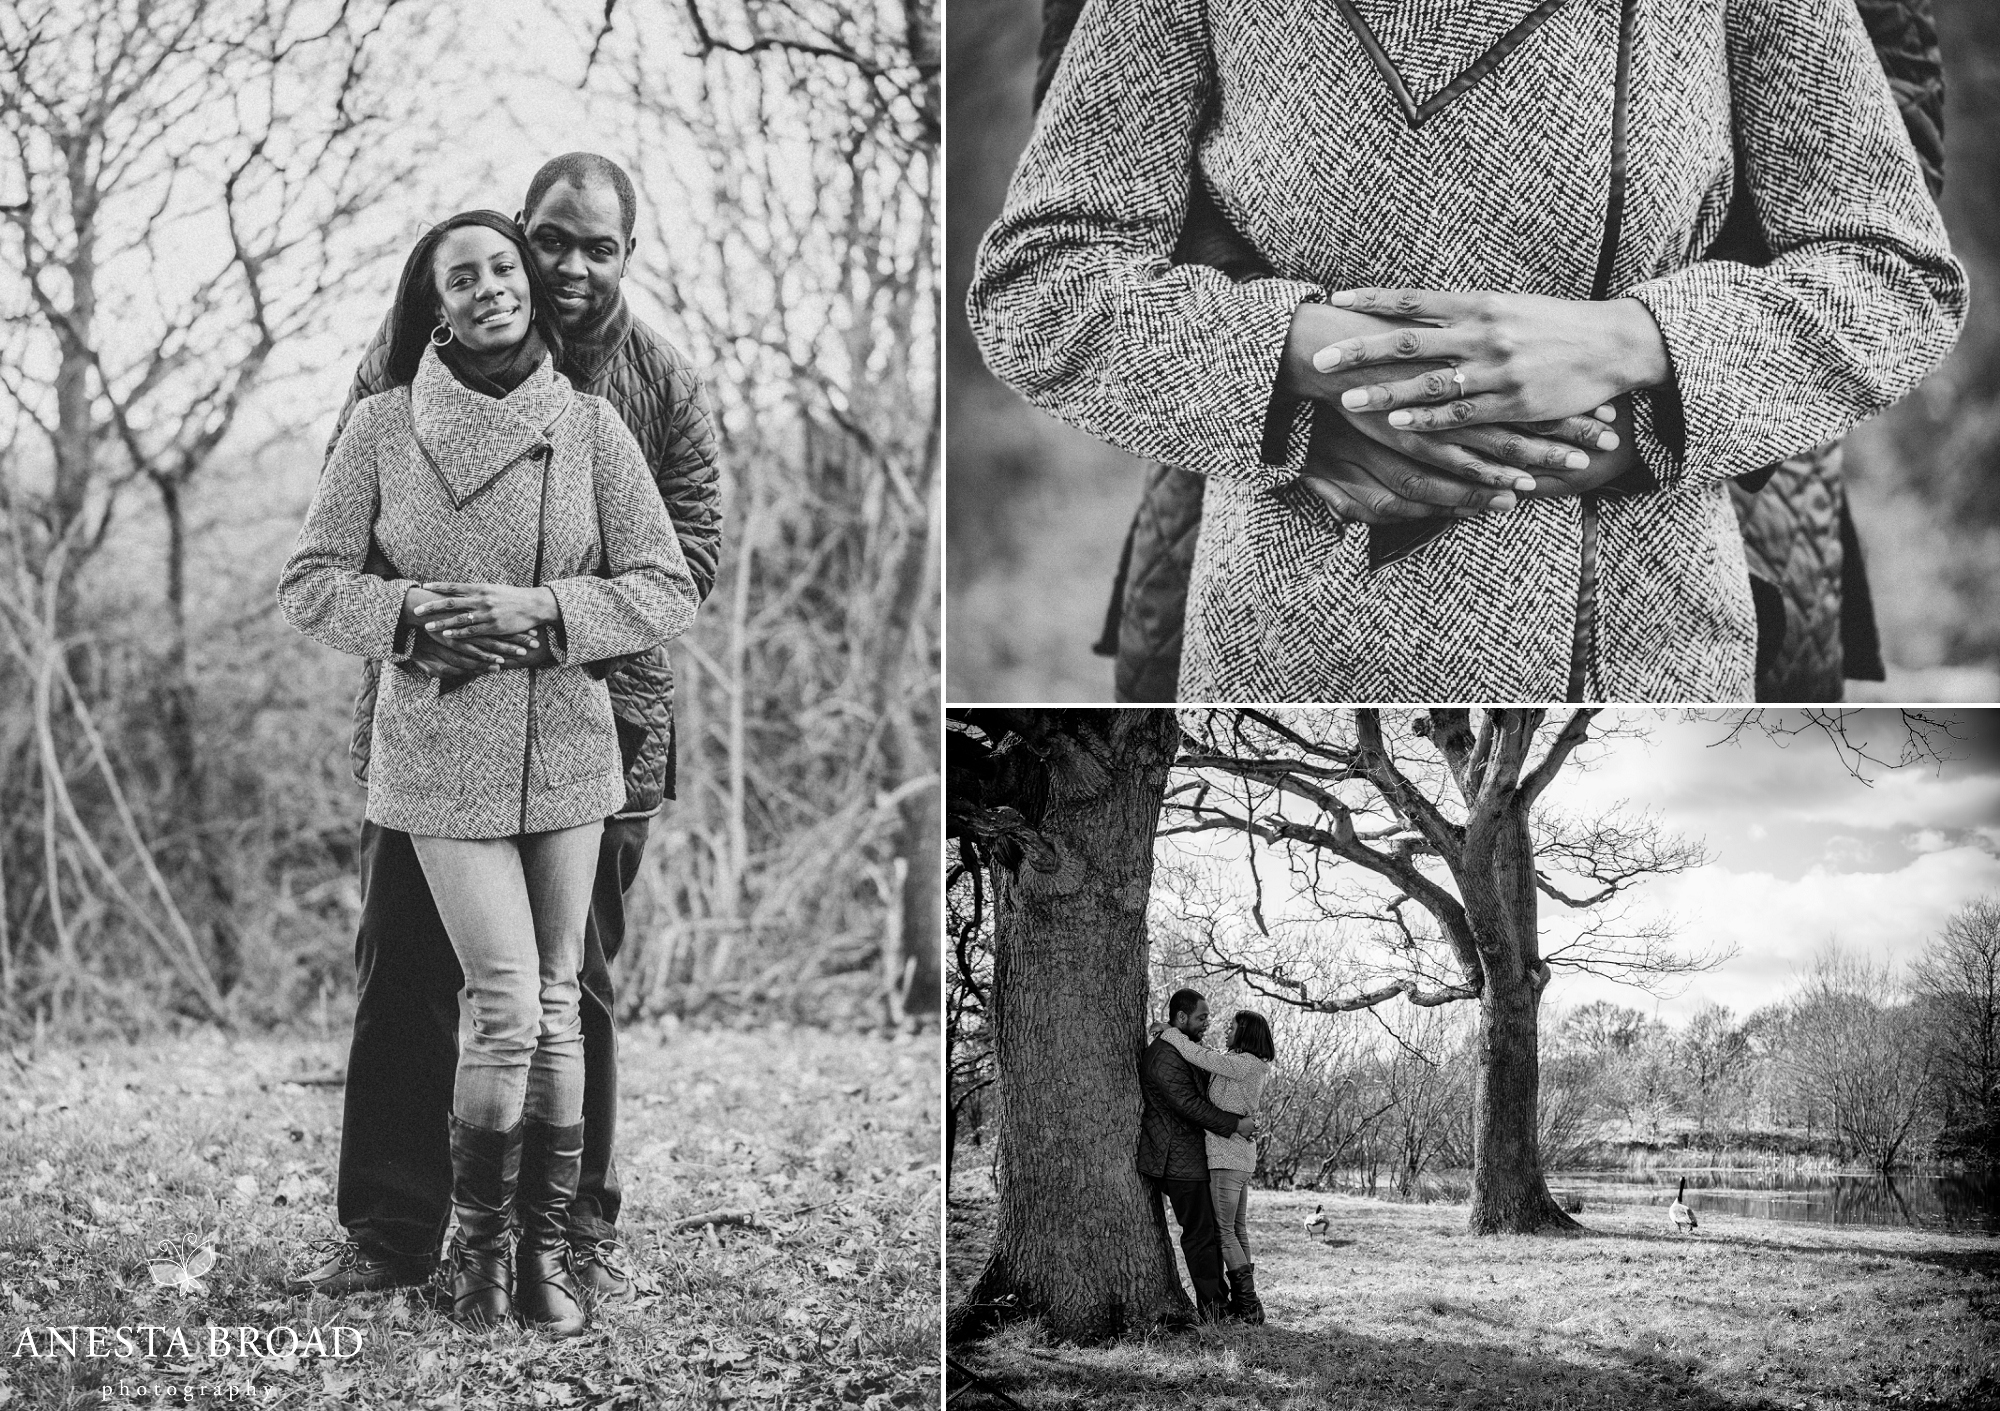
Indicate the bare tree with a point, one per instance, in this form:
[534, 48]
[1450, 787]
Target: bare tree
[1434, 842]
[1957, 980]
[1063, 805]
[968, 994]
[1713, 1051]
[786, 156]
[182, 184]
[1853, 1046]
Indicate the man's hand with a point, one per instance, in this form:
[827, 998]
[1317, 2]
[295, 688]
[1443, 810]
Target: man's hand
[1246, 1126]
[1368, 482]
[459, 660]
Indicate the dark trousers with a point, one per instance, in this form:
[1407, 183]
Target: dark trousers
[395, 1158]
[1201, 1244]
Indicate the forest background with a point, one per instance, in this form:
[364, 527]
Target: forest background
[203, 207]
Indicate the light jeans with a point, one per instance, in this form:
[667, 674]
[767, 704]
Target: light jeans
[1230, 1191]
[515, 910]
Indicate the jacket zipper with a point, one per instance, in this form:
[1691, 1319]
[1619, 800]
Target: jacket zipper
[545, 455]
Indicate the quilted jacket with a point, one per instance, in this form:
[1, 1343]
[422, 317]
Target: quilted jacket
[655, 389]
[545, 486]
[1815, 611]
[1422, 127]
[1176, 1113]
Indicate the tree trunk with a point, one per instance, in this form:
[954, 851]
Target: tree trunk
[1509, 1195]
[178, 709]
[922, 940]
[1081, 1240]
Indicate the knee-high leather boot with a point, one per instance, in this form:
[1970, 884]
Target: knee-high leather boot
[478, 1268]
[545, 1283]
[1243, 1300]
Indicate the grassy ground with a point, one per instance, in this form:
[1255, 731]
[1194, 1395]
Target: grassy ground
[106, 1152]
[1399, 1308]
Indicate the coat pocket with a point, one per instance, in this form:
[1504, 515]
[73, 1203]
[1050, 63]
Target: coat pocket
[576, 737]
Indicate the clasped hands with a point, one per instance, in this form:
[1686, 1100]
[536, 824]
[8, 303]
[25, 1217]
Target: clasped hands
[467, 629]
[1450, 405]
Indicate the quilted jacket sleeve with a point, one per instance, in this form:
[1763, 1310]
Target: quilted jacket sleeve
[325, 590]
[686, 469]
[1075, 300]
[1862, 297]
[648, 596]
[1172, 1088]
[371, 375]
[1906, 42]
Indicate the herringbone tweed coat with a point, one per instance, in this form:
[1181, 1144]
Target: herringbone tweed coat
[1486, 164]
[656, 391]
[543, 487]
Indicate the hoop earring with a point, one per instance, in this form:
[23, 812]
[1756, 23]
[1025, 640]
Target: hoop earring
[445, 329]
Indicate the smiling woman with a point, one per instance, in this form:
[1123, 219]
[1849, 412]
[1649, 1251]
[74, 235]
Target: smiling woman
[505, 503]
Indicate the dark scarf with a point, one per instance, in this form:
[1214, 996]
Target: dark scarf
[589, 346]
[499, 372]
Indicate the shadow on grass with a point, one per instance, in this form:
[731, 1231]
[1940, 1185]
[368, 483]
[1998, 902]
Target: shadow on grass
[1282, 1367]
[1984, 1261]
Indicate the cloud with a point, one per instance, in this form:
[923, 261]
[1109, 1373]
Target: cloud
[1776, 924]
[1928, 840]
[1844, 853]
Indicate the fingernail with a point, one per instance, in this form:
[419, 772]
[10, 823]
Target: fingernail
[1608, 441]
[1354, 399]
[1326, 359]
[1524, 484]
[1577, 460]
[1400, 418]
[1502, 501]
[1607, 413]
[1340, 297]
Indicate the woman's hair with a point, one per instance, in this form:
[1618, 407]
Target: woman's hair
[1252, 1035]
[417, 310]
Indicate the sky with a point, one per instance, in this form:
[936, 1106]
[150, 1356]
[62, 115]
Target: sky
[1802, 853]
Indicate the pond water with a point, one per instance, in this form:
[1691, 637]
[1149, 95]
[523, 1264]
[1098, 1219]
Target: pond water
[1967, 1203]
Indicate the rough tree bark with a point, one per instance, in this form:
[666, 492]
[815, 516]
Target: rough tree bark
[1080, 1238]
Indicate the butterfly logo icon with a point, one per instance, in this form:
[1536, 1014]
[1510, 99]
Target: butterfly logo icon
[180, 1271]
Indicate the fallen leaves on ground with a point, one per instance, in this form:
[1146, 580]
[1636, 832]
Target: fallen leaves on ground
[828, 1297]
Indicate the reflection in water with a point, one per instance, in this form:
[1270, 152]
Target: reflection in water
[1968, 1203]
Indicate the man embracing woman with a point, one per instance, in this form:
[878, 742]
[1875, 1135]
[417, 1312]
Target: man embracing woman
[1197, 1144]
[498, 543]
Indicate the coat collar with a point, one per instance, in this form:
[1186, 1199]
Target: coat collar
[469, 438]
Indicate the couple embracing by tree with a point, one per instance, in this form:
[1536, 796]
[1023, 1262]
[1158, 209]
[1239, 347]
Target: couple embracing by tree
[518, 511]
[1197, 1145]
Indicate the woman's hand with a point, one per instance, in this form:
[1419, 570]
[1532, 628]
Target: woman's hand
[1314, 326]
[469, 610]
[1155, 1029]
[1504, 357]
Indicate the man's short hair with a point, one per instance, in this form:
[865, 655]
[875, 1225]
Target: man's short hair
[1184, 1002]
[580, 169]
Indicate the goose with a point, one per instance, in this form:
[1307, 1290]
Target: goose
[1683, 1217]
[1315, 1223]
